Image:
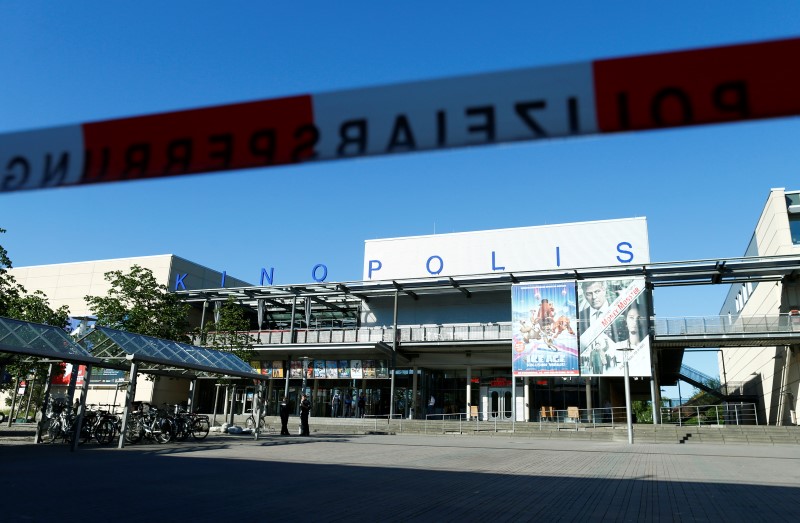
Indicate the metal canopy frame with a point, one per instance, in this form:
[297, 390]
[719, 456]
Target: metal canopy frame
[349, 295]
[110, 348]
[156, 356]
[25, 338]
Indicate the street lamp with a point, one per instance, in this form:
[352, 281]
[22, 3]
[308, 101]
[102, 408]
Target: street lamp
[628, 413]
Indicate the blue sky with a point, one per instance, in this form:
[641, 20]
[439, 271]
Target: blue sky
[700, 188]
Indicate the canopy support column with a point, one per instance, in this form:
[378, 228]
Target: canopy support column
[129, 395]
[76, 438]
[259, 408]
[394, 354]
[42, 425]
[13, 401]
[192, 392]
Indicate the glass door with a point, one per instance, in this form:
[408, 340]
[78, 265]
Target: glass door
[499, 404]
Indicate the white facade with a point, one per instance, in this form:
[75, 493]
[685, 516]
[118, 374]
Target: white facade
[548, 247]
[771, 372]
[68, 283]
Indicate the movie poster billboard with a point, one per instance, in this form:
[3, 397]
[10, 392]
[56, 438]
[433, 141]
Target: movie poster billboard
[613, 316]
[331, 369]
[319, 368]
[369, 368]
[544, 319]
[382, 370]
[277, 368]
[344, 369]
[356, 370]
[296, 369]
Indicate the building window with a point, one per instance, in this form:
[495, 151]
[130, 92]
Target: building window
[794, 228]
[793, 206]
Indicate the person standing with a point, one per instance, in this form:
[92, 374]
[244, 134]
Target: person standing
[305, 409]
[362, 405]
[284, 412]
[348, 404]
[335, 404]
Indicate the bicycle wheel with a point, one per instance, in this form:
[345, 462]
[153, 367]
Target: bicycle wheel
[134, 432]
[200, 428]
[165, 432]
[181, 426]
[104, 432]
[53, 430]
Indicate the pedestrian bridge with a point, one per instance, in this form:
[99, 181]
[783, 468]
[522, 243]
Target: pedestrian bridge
[726, 331]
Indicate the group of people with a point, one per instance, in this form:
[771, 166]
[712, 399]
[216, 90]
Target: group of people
[305, 411]
[285, 410]
[336, 401]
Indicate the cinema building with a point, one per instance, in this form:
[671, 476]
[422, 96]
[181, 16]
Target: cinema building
[485, 323]
[498, 325]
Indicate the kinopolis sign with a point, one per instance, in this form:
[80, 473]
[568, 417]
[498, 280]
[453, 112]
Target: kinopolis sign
[549, 247]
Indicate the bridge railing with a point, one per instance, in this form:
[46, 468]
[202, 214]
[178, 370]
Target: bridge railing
[502, 331]
[702, 325]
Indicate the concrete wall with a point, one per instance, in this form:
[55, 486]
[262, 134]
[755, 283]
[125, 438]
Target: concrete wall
[764, 369]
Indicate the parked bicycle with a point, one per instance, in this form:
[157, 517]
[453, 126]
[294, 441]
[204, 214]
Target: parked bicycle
[148, 422]
[250, 423]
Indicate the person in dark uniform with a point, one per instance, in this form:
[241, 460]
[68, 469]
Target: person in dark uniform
[305, 408]
[284, 412]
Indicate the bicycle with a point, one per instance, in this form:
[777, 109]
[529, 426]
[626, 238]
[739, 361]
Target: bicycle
[199, 425]
[250, 423]
[149, 422]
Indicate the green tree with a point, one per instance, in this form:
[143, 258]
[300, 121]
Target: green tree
[16, 303]
[137, 303]
[231, 331]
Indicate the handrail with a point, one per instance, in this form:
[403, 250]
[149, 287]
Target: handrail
[502, 331]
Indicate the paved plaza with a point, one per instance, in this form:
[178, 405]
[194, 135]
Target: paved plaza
[329, 477]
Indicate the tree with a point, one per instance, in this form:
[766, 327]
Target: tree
[231, 331]
[137, 303]
[16, 303]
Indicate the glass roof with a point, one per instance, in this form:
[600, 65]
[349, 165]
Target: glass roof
[159, 351]
[35, 339]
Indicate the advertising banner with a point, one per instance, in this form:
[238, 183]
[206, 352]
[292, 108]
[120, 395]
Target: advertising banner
[331, 369]
[277, 368]
[356, 370]
[614, 326]
[64, 378]
[344, 369]
[296, 371]
[544, 322]
[102, 376]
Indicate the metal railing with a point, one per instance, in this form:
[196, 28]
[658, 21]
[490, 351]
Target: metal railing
[685, 326]
[705, 325]
[606, 417]
[699, 415]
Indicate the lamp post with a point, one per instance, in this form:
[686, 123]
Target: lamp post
[628, 413]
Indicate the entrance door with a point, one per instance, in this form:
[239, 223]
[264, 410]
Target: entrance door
[499, 404]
